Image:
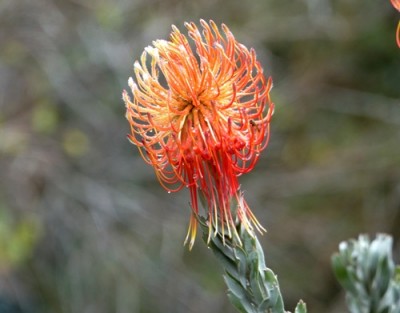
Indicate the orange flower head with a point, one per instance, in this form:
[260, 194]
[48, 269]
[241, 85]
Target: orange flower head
[200, 116]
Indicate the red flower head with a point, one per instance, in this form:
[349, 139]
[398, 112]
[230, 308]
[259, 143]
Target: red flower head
[200, 116]
[396, 4]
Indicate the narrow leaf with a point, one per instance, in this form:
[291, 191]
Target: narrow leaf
[301, 307]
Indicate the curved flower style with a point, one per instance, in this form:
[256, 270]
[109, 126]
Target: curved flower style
[396, 4]
[200, 116]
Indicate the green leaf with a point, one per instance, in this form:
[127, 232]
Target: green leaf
[228, 264]
[301, 307]
[275, 296]
[243, 305]
[235, 287]
[241, 263]
[384, 273]
[343, 274]
[397, 274]
[227, 249]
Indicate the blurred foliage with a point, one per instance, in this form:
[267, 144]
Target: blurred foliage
[85, 226]
[17, 240]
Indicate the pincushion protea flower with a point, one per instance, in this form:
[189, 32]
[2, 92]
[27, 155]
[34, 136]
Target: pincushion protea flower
[200, 116]
[396, 4]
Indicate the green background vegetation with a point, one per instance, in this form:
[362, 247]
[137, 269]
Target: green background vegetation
[85, 226]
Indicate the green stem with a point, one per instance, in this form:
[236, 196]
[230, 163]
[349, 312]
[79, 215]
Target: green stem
[252, 287]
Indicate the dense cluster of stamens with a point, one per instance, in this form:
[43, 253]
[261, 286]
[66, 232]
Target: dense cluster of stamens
[200, 116]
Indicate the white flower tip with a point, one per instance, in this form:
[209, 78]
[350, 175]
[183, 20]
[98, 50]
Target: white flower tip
[174, 28]
[217, 45]
[152, 51]
[160, 43]
[131, 83]
[146, 76]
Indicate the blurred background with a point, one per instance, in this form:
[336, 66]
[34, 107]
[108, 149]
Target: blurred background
[84, 225]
